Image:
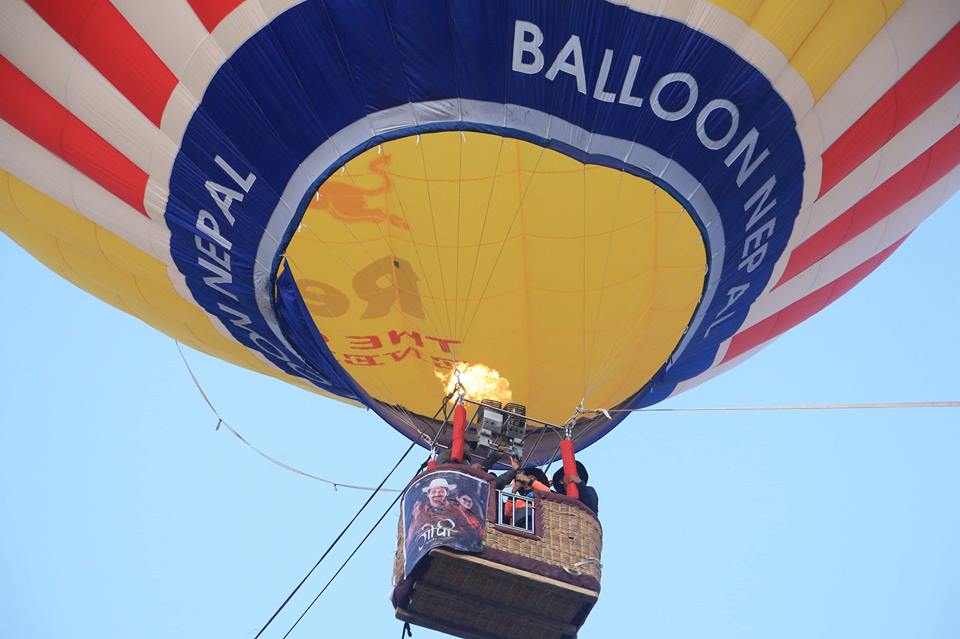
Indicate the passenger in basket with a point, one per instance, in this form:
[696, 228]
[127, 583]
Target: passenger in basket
[588, 495]
[527, 480]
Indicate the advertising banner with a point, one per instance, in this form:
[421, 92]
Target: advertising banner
[443, 508]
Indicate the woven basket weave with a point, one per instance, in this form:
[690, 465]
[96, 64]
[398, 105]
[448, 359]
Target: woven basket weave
[520, 587]
[571, 535]
[523, 585]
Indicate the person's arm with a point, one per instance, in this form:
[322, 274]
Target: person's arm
[490, 461]
[505, 478]
[536, 485]
[588, 495]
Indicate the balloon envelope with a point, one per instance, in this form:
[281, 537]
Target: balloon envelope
[600, 203]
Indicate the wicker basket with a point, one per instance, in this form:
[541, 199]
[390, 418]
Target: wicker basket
[522, 586]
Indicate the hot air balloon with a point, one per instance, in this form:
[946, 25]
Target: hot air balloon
[571, 206]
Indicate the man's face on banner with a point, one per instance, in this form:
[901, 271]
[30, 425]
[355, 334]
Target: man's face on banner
[437, 496]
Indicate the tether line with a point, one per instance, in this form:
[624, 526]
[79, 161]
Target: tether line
[875, 405]
[344, 564]
[233, 431]
[334, 543]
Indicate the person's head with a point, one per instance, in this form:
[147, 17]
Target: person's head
[466, 501]
[560, 485]
[526, 477]
[535, 473]
[437, 491]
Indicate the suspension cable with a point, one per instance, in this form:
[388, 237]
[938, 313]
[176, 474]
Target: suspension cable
[344, 564]
[379, 488]
[867, 406]
[337, 539]
[788, 407]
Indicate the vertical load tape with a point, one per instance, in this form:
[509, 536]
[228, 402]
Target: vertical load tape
[569, 468]
[459, 429]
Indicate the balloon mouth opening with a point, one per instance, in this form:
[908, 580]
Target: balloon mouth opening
[541, 278]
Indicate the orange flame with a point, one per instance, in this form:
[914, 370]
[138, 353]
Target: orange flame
[481, 382]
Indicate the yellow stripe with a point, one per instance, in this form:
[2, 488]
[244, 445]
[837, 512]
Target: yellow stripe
[116, 272]
[821, 38]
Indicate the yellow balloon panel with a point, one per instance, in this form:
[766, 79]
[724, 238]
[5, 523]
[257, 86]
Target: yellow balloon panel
[820, 38]
[571, 280]
[115, 271]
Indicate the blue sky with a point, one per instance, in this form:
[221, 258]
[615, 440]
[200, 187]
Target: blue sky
[126, 514]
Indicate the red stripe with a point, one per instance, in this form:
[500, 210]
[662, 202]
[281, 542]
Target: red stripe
[902, 187]
[44, 120]
[920, 87]
[805, 307]
[211, 12]
[103, 36]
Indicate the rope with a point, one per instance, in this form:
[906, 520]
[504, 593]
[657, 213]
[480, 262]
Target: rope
[334, 542]
[346, 561]
[302, 473]
[574, 569]
[503, 244]
[875, 405]
[543, 431]
[222, 422]
[788, 407]
[458, 326]
[379, 488]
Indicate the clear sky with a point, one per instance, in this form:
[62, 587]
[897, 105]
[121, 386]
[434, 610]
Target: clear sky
[124, 514]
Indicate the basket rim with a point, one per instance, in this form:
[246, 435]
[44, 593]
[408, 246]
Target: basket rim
[491, 478]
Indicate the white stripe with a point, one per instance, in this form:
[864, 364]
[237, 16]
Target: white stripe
[55, 66]
[170, 28]
[247, 19]
[905, 147]
[733, 32]
[202, 55]
[55, 178]
[855, 252]
[909, 34]
[906, 37]
[842, 261]
[194, 56]
[32, 46]
[208, 54]
[215, 49]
